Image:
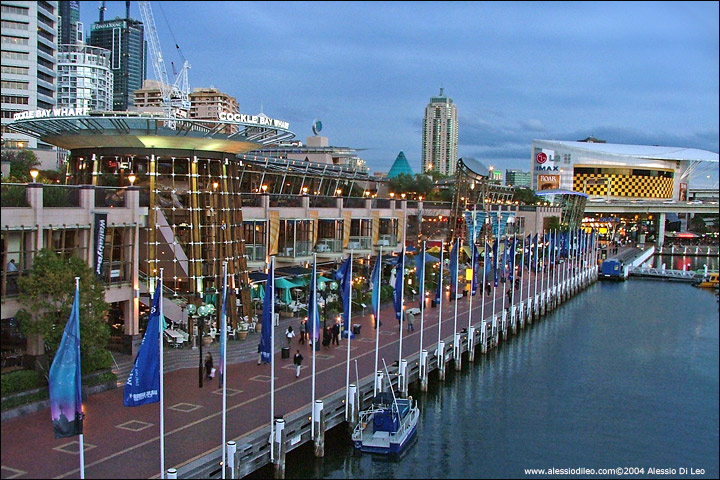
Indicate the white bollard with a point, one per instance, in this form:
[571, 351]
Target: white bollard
[379, 381]
[441, 360]
[457, 353]
[402, 380]
[172, 473]
[279, 449]
[423, 370]
[352, 406]
[230, 456]
[319, 416]
[471, 344]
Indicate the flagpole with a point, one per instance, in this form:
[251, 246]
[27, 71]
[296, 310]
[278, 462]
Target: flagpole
[349, 333]
[81, 438]
[513, 318]
[495, 249]
[472, 277]
[521, 273]
[482, 291]
[223, 374]
[313, 341]
[377, 317]
[422, 297]
[161, 321]
[455, 279]
[272, 357]
[440, 297]
[401, 273]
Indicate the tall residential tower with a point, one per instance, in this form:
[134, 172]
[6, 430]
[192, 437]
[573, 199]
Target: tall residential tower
[125, 38]
[440, 136]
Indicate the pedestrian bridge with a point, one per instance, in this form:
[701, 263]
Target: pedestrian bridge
[681, 275]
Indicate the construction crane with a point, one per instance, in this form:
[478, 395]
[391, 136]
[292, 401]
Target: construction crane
[175, 96]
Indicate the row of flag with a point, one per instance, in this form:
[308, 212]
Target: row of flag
[144, 384]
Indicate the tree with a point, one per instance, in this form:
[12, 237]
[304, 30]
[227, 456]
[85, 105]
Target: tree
[47, 296]
[525, 196]
[21, 162]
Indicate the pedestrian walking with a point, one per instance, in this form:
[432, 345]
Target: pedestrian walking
[327, 337]
[259, 353]
[209, 368]
[509, 295]
[297, 360]
[410, 322]
[289, 334]
[488, 289]
[303, 331]
[336, 333]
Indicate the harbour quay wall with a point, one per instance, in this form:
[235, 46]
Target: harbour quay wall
[253, 450]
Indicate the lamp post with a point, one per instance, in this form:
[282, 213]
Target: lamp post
[34, 173]
[324, 292]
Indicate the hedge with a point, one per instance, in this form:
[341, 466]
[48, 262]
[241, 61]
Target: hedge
[18, 381]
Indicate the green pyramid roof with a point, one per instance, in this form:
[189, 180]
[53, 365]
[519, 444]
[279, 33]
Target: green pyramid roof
[400, 166]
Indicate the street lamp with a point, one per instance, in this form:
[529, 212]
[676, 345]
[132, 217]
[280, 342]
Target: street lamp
[324, 292]
[34, 173]
[132, 179]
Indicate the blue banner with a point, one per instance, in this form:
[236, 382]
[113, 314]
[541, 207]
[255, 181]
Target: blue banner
[313, 324]
[495, 261]
[399, 283]
[474, 265]
[267, 322]
[454, 268]
[64, 380]
[438, 289]
[375, 284]
[343, 275]
[420, 274]
[143, 384]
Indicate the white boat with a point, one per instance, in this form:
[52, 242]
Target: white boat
[387, 426]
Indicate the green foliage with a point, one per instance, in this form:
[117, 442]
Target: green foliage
[100, 379]
[14, 196]
[10, 403]
[47, 296]
[525, 196]
[57, 197]
[697, 224]
[21, 162]
[18, 381]
[96, 360]
[553, 223]
[417, 185]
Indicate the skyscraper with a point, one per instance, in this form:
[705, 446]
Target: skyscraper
[29, 46]
[84, 77]
[125, 38]
[440, 136]
[70, 28]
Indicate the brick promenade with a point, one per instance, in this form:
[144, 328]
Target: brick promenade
[122, 442]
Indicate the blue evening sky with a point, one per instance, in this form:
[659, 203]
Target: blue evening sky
[637, 73]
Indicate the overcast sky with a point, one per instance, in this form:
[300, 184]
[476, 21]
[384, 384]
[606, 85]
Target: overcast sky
[641, 73]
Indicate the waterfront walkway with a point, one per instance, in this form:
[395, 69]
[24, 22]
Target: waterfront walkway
[122, 442]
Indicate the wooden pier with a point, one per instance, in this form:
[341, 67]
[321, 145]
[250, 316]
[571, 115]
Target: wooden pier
[253, 450]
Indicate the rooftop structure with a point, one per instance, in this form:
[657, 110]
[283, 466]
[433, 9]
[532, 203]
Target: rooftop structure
[400, 167]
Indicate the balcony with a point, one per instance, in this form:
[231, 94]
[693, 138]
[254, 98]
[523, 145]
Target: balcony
[329, 246]
[359, 243]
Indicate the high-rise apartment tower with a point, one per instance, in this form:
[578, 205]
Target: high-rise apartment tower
[29, 52]
[440, 136]
[125, 38]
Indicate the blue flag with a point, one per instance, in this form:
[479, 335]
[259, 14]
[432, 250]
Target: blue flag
[375, 286]
[64, 380]
[399, 282]
[420, 273]
[343, 275]
[454, 268]
[438, 290]
[495, 261]
[534, 246]
[486, 262]
[223, 328]
[474, 265]
[143, 384]
[266, 347]
[313, 323]
[511, 260]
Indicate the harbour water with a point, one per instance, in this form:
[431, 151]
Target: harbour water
[624, 375]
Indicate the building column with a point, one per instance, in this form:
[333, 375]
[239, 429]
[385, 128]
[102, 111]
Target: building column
[660, 229]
